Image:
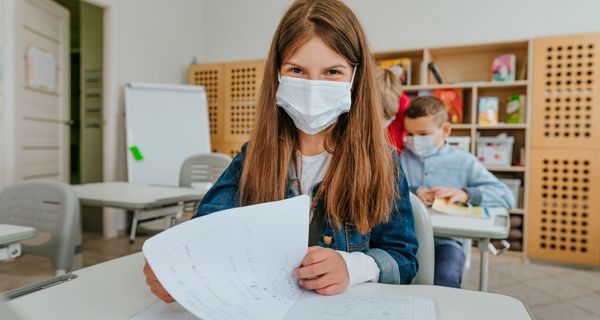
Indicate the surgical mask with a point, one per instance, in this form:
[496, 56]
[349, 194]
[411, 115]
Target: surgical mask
[314, 105]
[389, 121]
[422, 146]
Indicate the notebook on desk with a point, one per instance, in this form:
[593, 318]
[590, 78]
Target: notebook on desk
[460, 210]
[239, 263]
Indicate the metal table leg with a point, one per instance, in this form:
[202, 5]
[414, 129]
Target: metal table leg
[483, 271]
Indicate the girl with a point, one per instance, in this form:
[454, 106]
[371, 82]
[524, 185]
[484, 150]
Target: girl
[318, 131]
[394, 103]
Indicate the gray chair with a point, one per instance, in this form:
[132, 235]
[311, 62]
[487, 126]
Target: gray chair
[424, 231]
[203, 168]
[53, 209]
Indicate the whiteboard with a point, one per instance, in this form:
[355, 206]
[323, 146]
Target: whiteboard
[166, 124]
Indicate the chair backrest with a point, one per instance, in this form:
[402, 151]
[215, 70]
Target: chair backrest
[53, 209]
[203, 168]
[424, 231]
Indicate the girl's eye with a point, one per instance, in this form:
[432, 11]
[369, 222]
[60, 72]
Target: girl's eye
[295, 70]
[333, 72]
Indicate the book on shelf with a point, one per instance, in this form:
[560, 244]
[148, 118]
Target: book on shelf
[488, 110]
[400, 67]
[453, 101]
[503, 68]
[435, 72]
[515, 109]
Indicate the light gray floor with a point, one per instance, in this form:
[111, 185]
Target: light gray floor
[551, 292]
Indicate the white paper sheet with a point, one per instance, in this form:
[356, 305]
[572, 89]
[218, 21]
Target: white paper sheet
[354, 304]
[236, 263]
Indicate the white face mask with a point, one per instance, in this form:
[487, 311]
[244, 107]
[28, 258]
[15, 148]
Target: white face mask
[314, 105]
[422, 146]
[389, 121]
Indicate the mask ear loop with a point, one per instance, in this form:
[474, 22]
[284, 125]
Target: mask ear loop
[278, 76]
[352, 80]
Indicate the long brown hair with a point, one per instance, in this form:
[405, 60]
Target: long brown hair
[360, 184]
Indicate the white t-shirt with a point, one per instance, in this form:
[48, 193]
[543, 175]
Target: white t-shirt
[312, 169]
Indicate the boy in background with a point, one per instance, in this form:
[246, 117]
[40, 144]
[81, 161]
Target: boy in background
[436, 170]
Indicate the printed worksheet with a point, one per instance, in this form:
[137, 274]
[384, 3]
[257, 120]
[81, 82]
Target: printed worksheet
[238, 264]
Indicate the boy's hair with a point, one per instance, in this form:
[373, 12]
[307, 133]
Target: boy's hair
[427, 106]
[390, 88]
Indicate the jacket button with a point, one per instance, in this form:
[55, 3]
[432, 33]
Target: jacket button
[328, 240]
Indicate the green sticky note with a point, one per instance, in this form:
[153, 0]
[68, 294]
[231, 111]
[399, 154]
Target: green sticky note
[137, 155]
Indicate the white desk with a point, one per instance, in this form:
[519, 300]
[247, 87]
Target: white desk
[482, 230]
[146, 202]
[10, 236]
[117, 290]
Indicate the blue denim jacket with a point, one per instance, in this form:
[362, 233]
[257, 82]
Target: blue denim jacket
[393, 245]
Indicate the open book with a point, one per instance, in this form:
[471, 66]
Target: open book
[238, 264]
[460, 210]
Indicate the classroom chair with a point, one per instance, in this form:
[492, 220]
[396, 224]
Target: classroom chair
[53, 209]
[424, 232]
[203, 168]
[200, 169]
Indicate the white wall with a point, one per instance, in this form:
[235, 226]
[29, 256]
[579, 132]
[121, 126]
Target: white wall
[1, 97]
[243, 29]
[148, 41]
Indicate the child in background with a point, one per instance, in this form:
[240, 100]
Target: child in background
[436, 170]
[394, 102]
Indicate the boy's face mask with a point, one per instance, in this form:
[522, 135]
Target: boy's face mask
[314, 105]
[422, 146]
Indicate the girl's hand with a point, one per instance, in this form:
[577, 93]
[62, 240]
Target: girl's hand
[155, 285]
[324, 271]
[451, 195]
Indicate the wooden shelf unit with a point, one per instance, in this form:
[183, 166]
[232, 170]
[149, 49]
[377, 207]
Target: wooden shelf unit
[469, 68]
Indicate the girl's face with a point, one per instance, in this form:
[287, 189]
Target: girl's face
[316, 61]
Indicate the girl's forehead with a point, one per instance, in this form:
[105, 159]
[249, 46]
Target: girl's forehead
[315, 52]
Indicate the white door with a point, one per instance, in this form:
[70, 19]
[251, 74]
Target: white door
[41, 90]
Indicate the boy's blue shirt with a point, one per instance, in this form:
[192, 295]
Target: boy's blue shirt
[456, 168]
[393, 245]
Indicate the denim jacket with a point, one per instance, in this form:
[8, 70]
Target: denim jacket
[393, 245]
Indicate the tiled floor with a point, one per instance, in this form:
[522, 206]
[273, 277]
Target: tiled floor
[551, 292]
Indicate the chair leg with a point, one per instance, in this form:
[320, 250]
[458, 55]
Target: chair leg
[134, 224]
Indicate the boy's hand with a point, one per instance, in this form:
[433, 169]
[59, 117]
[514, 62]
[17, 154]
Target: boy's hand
[324, 271]
[155, 285]
[426, 196]
[451, 195]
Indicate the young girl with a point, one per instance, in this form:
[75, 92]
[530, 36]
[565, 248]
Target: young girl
[394, 103]
[318, 131]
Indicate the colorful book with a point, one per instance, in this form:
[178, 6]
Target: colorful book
[515, 109]
[460, 210]
[488, 110]
[399, 66]
[453, 101]
[503, 68]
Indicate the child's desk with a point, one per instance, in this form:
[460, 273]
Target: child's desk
[10, 237]
[482, 230]
[117, 290]
[146, 202]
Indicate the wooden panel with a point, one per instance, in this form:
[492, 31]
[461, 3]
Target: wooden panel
[566, 92]
[563, 219]
[242, 85]
[210, 76]
[229, 148]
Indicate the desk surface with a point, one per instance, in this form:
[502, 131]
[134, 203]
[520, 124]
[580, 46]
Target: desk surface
[11, 233]
[133, 196]
[117, 290]
[495, 227]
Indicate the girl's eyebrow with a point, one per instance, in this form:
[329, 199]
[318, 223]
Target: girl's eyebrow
[291, 63]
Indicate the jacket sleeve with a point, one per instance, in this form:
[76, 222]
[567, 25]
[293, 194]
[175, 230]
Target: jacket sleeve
[485, 189]
[394, 245]
[224, 194]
